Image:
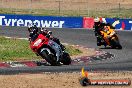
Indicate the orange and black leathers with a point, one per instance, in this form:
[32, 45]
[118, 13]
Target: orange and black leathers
[99, 26]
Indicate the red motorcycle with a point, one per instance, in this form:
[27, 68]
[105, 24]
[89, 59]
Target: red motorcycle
[49, 50]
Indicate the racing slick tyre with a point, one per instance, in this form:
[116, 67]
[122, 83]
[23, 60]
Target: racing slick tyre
[66, 59]
[119, 46]
[116, 44]
[50, 58]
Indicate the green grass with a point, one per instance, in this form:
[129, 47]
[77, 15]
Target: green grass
[72, 50]
[15, 49]
[92, 13]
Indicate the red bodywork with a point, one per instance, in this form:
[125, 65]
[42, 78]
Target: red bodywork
[43, 41]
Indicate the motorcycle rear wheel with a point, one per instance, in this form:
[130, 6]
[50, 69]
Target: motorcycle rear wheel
[116, 44]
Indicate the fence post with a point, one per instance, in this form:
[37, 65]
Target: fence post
[88, 8]
[59, 6]
[30, 7]
[119, 9]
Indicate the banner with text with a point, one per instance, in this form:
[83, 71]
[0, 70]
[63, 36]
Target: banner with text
[119, 24]
[41, 21]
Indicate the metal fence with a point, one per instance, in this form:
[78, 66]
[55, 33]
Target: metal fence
[88, 8]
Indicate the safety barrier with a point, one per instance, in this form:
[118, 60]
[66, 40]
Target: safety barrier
[122, 24]
[61, 22]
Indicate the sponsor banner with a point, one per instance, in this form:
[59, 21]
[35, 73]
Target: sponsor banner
[41, 21]
[88, 22]
[121, 24]
[61, 22]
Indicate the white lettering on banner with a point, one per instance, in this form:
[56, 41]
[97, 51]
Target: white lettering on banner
[55, 23]
[21, 22]
[61, 23]
[46, 23]
[13, 22]
[27, 22]
[131, 24]
[7, 22]
[1, 17]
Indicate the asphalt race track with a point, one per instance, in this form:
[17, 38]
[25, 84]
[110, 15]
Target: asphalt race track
[83, 37]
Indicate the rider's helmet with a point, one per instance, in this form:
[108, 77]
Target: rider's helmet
[96, 21]
[34, 28]
[29, 27]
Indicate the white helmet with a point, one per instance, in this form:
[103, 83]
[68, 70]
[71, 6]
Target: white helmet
[96, 19]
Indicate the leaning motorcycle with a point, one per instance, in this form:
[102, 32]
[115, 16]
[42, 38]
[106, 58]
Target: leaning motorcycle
[110, 38]
[49, 50]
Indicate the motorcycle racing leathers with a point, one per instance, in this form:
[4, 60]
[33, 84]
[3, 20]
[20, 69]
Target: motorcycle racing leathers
[99, 26]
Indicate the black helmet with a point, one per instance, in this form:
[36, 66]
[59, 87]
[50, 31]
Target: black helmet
[34, 25]
[96, 21]
[34, 28]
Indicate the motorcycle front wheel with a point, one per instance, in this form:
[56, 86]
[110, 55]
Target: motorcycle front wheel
[116, 44]
[50, 58]
[84, 81]
[66, 59]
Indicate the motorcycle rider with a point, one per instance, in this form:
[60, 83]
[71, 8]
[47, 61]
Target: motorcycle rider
[99, 26]
[35, 31]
